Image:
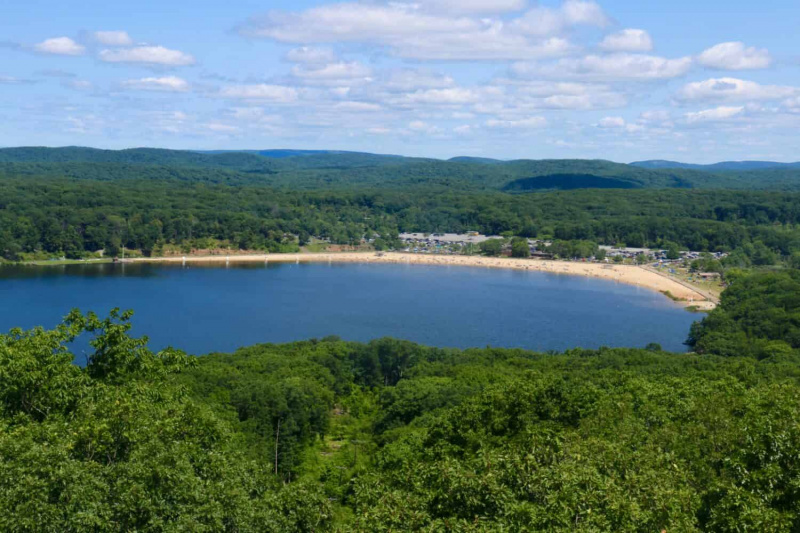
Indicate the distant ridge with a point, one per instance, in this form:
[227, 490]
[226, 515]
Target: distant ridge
[328, 169]
[657, 164]
[481, 160]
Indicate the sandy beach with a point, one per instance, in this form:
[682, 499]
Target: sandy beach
[632, 275]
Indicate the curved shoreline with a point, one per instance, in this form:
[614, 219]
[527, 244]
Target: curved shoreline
[632, 275]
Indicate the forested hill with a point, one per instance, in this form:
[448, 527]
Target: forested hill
[315, 170]
[739, 166]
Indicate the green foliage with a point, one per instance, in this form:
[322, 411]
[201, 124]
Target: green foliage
[759, 316]
[520, 248]
[573, 249]
[491, 247]
[120, 447]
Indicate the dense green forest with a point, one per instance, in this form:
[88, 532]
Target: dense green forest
[327, 435]
[73, 202]
[330, 435]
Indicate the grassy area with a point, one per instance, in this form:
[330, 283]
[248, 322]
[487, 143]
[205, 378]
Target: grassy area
[714, 287]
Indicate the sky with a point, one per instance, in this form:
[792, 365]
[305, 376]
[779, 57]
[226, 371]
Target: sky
[624, 80]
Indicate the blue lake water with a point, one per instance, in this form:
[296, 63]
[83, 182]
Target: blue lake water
[204, 309]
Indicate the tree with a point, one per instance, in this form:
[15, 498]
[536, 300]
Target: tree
[520, 248]
[673, 251]
[491, 247]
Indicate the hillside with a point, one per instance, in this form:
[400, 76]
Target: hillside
[322, 170]
[740, 166]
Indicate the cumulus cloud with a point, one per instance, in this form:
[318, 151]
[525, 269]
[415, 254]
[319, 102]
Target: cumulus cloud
[613, 67]
[792, 105]
[544, 21]
[148, 55]
[165, 84]
[612, 122]
[411, 79]
[63, 46]
[629, 40]
[78, 85]
[472, 6]
[113, 38]
[333, 73]
[357, 107]
[412, 31]
[450, 96]
[260, 92]
[733, 89]
[714, 115]
[522, 123]
[619, 124]
[311, 55]
[735, 56]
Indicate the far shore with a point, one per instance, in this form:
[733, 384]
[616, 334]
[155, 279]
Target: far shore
[681, 292]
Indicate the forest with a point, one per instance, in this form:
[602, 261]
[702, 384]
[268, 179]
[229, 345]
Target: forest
[69, 204]
[329, 435]
[332, 435]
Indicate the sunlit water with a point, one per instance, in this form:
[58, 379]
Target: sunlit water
[204, 309]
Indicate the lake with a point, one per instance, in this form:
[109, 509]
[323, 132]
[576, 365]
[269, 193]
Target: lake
[210, 308]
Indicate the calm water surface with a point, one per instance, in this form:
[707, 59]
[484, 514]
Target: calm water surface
[203, 309]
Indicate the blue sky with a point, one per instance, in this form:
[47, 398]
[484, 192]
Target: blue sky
[620, 80]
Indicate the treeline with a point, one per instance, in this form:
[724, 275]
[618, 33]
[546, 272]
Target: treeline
[75, 217]
[759, 316]
[327, 435]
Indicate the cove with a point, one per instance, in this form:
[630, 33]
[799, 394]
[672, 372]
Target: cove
[211, 308]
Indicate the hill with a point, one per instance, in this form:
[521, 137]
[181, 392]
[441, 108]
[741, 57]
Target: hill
[716, 167]
[323, 170]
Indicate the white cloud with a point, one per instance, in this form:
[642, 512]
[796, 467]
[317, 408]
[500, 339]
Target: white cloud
[410, 79]
[619, 123]
[735, 56]
[311, 55]
[149, 55]
[714, 115]
[357, 107]
[218, 127]
[579, 12]
[612, 122]
[614, 67]
[419, 126]
[63, 46]
[492, 42]
[78, 85]
[265, 92]
[658, 115]
[352, 22]
[472, 6]
[333, 72]
[523, 123]
[450, 96]
[733, 89]
[544, 21]
[629, 40]
[411, 31]
[165, 84]
[792, 105]
[113, 38]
